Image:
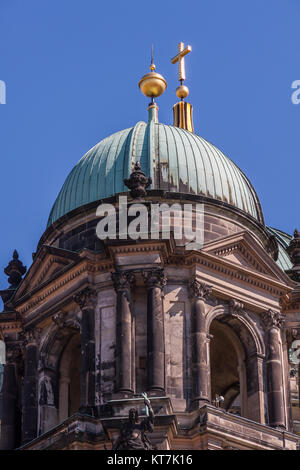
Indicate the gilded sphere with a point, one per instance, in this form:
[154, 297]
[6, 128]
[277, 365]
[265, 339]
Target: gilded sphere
[182, 91]
[152, 84]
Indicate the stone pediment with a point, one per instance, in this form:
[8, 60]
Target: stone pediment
[243, 250]
[47, 264]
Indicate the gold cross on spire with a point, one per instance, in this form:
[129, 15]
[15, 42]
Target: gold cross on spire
[182, 51]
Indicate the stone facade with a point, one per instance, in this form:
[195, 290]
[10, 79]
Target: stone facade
[92, 325]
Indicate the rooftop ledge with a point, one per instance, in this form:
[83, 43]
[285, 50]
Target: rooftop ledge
[207, 428]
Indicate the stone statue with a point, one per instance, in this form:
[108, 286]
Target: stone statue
[133, 433]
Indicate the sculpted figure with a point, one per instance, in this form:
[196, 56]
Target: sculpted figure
[133, 433]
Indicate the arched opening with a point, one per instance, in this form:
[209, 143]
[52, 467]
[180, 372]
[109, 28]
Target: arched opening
[227, 368]
[69, 379]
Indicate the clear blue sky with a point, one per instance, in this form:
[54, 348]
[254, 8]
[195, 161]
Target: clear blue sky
[72, 68]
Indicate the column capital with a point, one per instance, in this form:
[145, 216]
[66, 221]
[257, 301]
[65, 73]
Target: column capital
[122, 280]
[154, 278]
[30, 336]
[86, 298]
[13, 353]
[199, 289]
[272, 319]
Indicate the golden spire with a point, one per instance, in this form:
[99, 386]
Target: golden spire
[182, 91]
[152, 84]
[182, 111]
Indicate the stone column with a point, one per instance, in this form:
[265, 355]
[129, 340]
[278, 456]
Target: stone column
[10, 413]
[87, 301]
[29, 395]
[155, 281]
[272, 322]
[199, 333]
[122, 282]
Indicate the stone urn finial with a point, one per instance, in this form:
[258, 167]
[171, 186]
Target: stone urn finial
[15, 270]
[138, 182]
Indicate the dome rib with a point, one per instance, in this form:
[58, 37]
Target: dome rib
[176, 160]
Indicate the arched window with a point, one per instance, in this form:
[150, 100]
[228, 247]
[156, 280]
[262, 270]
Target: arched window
[228, 372]
[69, 379]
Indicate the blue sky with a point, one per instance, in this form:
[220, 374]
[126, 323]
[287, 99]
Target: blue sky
[71, 69]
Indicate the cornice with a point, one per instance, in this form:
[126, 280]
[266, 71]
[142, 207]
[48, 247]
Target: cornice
[94, 264]
[43, 292]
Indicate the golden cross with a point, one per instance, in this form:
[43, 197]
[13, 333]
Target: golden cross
[180, 59]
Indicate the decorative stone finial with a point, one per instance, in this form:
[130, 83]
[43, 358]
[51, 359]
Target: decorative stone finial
[296, 233]
[15, 270]
[138, 182]
[294, 251]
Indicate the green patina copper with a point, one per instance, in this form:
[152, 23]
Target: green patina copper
[283, 261]
[176, 160]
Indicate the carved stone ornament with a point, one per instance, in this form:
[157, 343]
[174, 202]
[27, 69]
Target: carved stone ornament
[122, 280]
[200, 290]
[155, 278]
[273, 319]
[64, 321]
[15, 270]
[235, 307]
[294, 249]
[138, 182]
[133, 433]
[14, 353]
[87, 298]
[31, 336]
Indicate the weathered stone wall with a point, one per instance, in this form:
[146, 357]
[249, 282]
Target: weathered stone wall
[105, 344]
[178, 345]
[139, 297]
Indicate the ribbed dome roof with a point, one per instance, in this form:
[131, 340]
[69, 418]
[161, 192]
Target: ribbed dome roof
[177, 161]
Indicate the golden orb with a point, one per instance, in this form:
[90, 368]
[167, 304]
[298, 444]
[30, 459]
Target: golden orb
[152, 84]
[182, 91]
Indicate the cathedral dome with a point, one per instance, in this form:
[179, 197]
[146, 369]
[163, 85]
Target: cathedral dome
[177, 161]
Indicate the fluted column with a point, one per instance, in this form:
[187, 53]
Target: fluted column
[10, 421]
[200, 365]
[122, 283]
[272, 322]
[87, 301]
[29, 395]
[155, 281]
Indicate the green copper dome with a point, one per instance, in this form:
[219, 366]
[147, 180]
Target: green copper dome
[176, 160]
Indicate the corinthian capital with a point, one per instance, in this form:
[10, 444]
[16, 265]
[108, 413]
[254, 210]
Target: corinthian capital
[122, 280]
[200, 290]
[30, 336]
[13, 353]
[87, 298]
[273, 319]
[154, 278]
